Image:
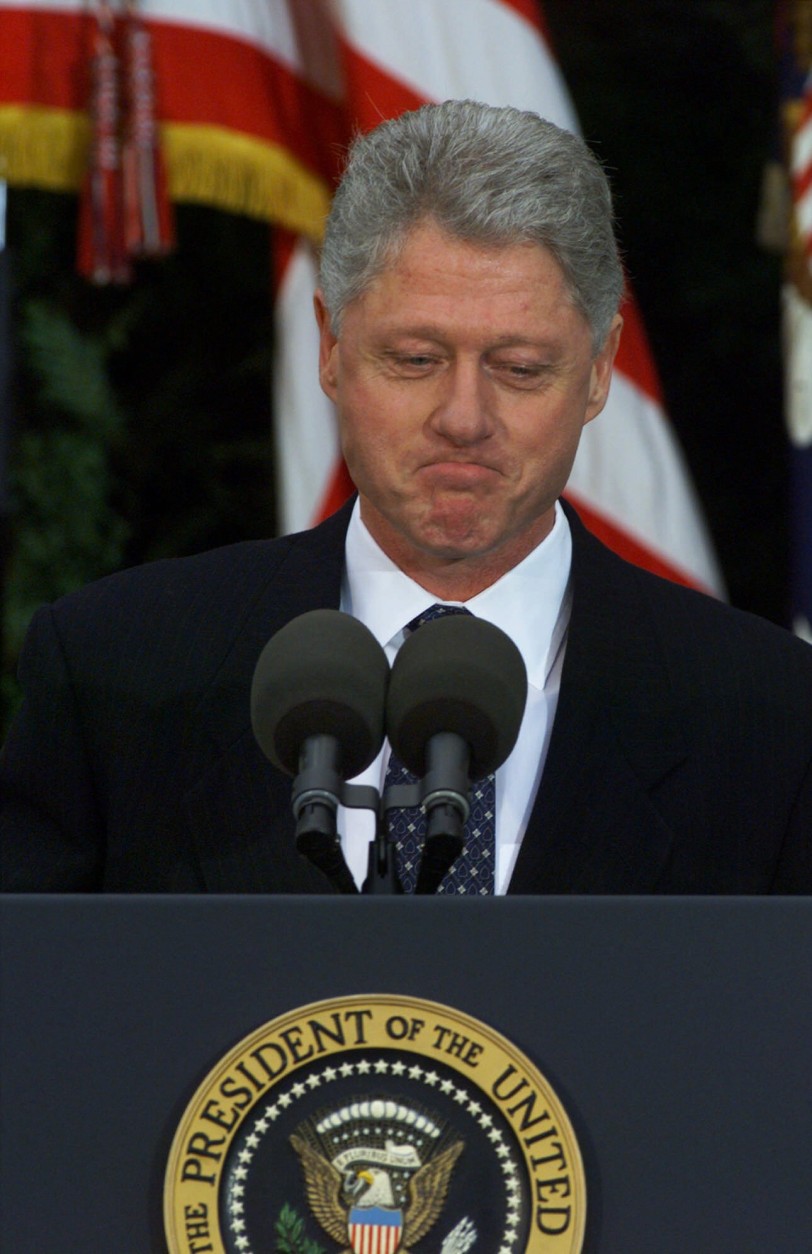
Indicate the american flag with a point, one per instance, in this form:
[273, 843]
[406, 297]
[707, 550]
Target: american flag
[256, 101]
[797, 112]
[800, 163]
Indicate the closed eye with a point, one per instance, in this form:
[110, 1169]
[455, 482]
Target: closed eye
[412, 363]
[520, 374]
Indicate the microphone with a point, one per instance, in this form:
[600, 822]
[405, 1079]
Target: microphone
[455, 704]
[317, 710]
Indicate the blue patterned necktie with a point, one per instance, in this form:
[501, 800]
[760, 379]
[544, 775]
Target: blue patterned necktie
[473, 871]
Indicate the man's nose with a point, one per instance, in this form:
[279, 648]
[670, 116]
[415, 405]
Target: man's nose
[463, 411]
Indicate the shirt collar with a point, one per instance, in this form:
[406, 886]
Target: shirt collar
[529, 603]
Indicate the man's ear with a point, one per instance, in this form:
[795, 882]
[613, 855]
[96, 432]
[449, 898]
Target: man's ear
[328, 348]
[602, 370]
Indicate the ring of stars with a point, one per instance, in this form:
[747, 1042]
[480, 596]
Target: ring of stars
[235, 1205]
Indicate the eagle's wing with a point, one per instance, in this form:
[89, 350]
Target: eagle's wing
[323, 1187]
[427, 1193]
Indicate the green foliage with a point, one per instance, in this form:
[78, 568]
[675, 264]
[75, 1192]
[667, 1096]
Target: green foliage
[141, 415]
[290, 1234]
[71, 366]
[61, 486]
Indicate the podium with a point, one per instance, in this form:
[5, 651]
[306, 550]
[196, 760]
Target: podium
[677, 1034]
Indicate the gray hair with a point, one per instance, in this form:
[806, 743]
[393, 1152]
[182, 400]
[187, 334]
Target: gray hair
[490, 176]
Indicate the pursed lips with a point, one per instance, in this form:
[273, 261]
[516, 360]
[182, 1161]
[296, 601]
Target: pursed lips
[459, 470]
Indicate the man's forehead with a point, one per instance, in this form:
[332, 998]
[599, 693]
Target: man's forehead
[428, 234]
[434, 277]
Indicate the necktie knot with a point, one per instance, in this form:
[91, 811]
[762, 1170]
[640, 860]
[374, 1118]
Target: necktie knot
[434, 612]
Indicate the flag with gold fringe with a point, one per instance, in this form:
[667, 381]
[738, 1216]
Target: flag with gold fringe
[253, 105]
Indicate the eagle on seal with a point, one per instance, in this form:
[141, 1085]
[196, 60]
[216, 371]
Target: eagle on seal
[334, 1198]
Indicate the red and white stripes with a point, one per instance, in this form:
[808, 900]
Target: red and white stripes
[629, 479]
[257, 99]
[801, 173]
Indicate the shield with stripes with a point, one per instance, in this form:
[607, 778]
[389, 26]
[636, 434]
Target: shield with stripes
[375, 1229]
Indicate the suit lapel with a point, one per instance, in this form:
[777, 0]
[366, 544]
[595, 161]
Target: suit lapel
[595, 827]
[239, 810]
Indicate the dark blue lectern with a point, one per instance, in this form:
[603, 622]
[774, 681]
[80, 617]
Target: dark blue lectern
[677, 1034]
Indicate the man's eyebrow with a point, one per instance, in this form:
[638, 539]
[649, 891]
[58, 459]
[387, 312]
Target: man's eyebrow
[426, 331]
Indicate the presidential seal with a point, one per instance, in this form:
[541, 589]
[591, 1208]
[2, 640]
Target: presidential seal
[370, 1125]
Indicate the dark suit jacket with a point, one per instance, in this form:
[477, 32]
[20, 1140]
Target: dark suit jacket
[680, 760]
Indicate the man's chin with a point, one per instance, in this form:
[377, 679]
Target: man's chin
[456, 530]
[456, 538]
[457, 535]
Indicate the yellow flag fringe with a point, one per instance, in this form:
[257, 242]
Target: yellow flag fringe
[43, 147]
[48, 148]
[235, 172]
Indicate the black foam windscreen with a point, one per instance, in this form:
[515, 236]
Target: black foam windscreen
[323, 673]
[457, 674]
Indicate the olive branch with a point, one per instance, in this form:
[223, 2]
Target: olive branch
[290, 1234]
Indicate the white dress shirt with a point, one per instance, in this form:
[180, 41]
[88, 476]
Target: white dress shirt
[531, 603]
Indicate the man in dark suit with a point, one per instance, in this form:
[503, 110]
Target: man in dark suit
[468, 312]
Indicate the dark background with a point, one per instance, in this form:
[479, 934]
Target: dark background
[142, 415]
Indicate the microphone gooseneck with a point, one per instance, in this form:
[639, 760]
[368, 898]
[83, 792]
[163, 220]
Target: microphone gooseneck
[317, 711]
[452, 706]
